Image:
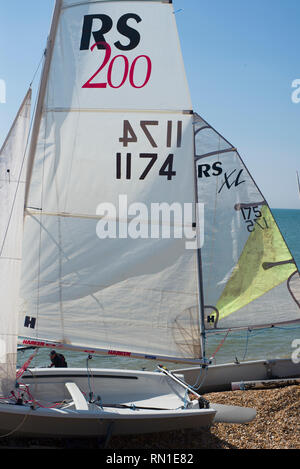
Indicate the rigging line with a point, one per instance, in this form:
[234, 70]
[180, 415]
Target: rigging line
[41, 95]
[199, 382]
[258, 330]
[199, 386]
[286, 328]
[24, 367]
[40, 62]
[19, 179]
[247, 343]
[261, 331]
[90, 376]
[220, 345]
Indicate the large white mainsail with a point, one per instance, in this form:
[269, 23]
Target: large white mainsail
[250, 278]
[114, 119]
[12, 185]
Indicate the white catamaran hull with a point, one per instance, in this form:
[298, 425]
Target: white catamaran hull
[125, 402]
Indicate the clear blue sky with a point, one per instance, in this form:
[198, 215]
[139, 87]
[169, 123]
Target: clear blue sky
[241, 58]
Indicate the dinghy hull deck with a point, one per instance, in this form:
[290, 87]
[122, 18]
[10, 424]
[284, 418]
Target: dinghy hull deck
[123, 402]
[23, 421]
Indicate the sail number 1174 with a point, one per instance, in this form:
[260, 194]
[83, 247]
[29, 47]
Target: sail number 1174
[124, 161]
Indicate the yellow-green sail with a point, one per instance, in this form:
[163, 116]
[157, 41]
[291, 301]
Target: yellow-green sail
[265, 262]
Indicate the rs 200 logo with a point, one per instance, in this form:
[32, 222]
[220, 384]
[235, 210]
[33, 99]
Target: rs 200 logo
[89, 31]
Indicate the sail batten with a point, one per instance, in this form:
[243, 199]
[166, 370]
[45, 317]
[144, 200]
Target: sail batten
[212, 153]
[71, 3]
[142, 110]
[126, 219]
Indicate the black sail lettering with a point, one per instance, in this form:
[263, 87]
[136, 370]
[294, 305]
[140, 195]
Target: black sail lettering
[133, 35]
[87, 30]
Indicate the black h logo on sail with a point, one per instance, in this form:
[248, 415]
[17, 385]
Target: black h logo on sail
[29, 322]
[210, 318]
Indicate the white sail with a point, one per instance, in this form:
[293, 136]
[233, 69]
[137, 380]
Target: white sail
[12, 184]
[250, 278]
[114, 120]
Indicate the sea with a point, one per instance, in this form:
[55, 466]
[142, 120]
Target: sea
[271, 343]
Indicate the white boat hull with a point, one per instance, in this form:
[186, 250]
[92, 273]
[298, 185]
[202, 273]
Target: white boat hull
[24, 422]
[132, 402]
[219, 378]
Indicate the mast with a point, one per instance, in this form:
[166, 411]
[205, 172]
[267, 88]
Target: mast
[41, 96]
[298, 181]
[199, 264]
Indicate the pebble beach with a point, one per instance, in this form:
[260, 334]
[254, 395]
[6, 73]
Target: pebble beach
[276, 426]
